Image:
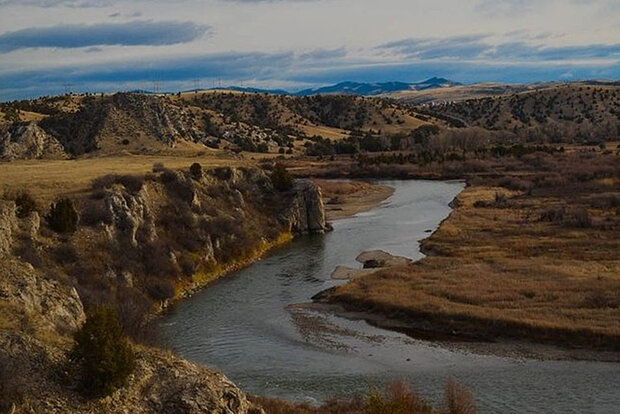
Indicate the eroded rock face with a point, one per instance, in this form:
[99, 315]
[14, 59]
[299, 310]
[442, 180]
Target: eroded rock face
[29, 141]
[130, 213]
[307, 212]
[38, 318]
[8, 224]
[45, 304]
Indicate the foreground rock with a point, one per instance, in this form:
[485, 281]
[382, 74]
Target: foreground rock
[39, 316]
[373, 261]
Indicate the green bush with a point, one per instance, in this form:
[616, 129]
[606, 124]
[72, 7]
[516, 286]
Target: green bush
[105, 352]
[63, 217]
[281, 179]
[196, 170]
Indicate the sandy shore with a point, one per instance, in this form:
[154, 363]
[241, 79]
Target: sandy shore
[347, 198]
[456, 341]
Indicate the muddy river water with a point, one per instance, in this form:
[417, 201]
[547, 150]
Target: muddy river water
[245, 326]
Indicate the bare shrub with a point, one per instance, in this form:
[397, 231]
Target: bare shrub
[133, 309]
[160, 289]
[25, 204]
[398, 398]
[553, 214]
[516, 184]
[93, 212]
[458, 399]
[580, 218]
[65, 254]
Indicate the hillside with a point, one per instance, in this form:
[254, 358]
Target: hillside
[76, 125]
[373, 89]
[568, 112]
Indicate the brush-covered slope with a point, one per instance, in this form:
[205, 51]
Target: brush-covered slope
[576, 111]
[76, 125]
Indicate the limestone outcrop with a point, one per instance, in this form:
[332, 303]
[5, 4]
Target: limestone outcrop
[141, 241]
[307, 212]
[129, 213]
[29, 141]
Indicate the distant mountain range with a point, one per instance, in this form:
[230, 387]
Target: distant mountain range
[356, 88]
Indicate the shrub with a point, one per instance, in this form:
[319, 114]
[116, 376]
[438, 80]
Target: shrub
[553, 215]
[106, 354]
[281, 179]
[12, 383]
[581, 218]
[132, 182]
[398, 399]
[25, 204]
[63, 217]
[196, 170]
[160, 289]
[458, 399]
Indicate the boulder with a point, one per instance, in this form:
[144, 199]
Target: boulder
[379, 258]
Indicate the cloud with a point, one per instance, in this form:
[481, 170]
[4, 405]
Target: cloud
[475, 47]
[55, 3]
[103, 34]
[233, 65]
[461, 47]
[320, 54]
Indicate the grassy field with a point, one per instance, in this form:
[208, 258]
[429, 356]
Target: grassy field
[540, 263]
[48, 179]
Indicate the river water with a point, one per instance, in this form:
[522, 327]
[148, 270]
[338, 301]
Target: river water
[245, 326]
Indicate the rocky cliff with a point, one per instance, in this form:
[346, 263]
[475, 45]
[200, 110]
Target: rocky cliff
[28, 141]
[141, 242]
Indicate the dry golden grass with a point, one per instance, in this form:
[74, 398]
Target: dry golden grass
[498, 270]
[48, 179]
[396, 398]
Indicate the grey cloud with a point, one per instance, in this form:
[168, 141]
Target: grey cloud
[127, 34]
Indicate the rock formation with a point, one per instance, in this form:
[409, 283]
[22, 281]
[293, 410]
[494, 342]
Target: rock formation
[29, 141]
[307, 212]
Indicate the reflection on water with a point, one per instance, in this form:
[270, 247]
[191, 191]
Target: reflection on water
[244, 326]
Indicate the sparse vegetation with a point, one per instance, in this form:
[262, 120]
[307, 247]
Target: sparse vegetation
[281, 179]
[396, 398]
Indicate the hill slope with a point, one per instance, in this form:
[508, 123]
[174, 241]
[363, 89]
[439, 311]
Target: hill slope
[76, 125]
[566, 112]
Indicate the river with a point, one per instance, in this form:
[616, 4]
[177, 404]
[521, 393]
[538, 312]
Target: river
[245, 326]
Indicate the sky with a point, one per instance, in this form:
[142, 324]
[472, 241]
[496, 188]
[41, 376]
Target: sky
[49, 46]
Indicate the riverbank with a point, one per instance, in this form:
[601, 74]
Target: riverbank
[536, 265]
[347, 198]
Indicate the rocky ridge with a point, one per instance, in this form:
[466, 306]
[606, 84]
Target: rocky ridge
[43, 303]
